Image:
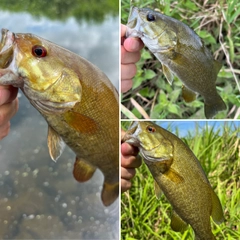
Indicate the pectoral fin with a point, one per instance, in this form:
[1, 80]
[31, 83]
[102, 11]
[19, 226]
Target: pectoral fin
[83, 171]
[177, 224]
[168, 74]
[187, 94]
[174, 176]
[110, 193]
[55, 144]
[80, 122]
[157, 190]
[217, 212]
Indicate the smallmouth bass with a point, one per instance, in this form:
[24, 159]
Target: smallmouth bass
[179, 175]
[182, 53]
[77, 100]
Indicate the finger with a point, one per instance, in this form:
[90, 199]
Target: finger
[4, 130]
[131, 162]
[133, 44]
[129, 57]
[127, 173]
[126, 84]
[129, 150]
[125, 185]
[7, 111]
[123, 30]
[128, 71]
[7, 94]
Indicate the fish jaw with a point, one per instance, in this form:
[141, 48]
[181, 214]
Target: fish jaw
[19, 68]
[131, 135]
[8, 70]
[152, 145]
[138, 26]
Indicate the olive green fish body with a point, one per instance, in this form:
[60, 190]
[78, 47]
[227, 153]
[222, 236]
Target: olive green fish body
[77, 100]
[181, 52]
[180, 176]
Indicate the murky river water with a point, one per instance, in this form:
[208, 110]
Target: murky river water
[40, 199]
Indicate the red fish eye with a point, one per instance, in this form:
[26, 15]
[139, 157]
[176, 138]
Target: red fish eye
[39, 51]
[151, 129]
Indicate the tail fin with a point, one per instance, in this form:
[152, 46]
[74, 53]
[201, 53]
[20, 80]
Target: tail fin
[213, 107]
[110, 193]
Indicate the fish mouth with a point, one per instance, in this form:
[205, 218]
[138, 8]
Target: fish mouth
[8, 74]
[131, 135]
[6, 48]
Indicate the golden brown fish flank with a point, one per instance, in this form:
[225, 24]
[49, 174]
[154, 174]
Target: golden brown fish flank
[77, 100]
[177, 173]
[181, 52]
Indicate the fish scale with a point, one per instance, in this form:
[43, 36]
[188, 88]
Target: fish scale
[179, 175]
[181, 52]
[77, 100]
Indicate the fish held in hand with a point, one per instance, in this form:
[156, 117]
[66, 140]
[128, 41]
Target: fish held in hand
[181, 52]
[179, 175]
[77, 100]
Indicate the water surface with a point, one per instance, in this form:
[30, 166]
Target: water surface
[40, 199]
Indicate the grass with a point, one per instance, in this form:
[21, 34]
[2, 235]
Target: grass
[145, 217]
[217, 23]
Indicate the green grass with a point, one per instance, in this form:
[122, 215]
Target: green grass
[217, 23]
[145, 217]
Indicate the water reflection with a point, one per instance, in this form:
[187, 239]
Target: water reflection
[81, 10]
[39, 199]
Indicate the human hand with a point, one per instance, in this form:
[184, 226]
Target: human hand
[130, 54]
[8, 108]
[129, 161]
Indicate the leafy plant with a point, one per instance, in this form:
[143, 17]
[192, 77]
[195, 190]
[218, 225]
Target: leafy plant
[217, 148]
[217, 23]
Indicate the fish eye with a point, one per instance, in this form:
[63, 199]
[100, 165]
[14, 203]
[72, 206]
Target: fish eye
[151, 17]
[39, 51]
[151, 129]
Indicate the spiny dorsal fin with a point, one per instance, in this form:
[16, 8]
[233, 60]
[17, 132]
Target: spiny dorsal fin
[55, 144]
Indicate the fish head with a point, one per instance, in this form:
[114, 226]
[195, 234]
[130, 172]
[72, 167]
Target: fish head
[37, 67]
[155, 29]
[148, 137]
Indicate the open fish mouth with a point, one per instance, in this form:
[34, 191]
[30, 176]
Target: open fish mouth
[6, 48]
[8, 69]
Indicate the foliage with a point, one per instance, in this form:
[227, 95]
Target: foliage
[145, 217]
[217, 23]
[88, 10]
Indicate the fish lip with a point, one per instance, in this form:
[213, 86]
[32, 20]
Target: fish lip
[6, 48]
[131, 135]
